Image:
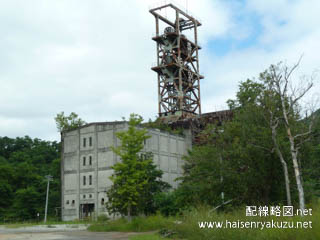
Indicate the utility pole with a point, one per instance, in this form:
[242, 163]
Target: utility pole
[49, 178]
[221, 179]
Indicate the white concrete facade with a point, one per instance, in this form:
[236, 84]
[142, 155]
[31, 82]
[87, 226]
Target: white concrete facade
[87, 159]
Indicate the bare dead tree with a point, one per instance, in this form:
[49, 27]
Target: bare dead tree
[274, 122]
[290, 97]
[273, 118]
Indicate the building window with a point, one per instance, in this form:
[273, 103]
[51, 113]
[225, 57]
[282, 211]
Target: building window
[84, 196]
[90, 141]
[90, 195]
[84, 180]
[90, 180]
[72, 202]
[90, 160]
[102, 201]
[84, 142]
[84, 161]
[67, 202]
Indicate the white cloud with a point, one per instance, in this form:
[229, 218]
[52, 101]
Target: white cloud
[94, 57]
[289, 30]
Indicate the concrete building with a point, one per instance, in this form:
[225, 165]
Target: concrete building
[87, 159]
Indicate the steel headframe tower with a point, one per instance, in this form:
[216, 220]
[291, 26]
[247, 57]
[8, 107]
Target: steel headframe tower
[177, 64]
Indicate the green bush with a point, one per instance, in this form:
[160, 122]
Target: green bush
[172, 203]
[166, 203]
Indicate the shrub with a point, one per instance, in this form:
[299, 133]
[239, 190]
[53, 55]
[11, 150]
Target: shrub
[172, 203]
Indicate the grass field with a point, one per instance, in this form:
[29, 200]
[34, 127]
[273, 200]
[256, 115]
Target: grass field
[187, 226]
[138, 224]
[148, 236]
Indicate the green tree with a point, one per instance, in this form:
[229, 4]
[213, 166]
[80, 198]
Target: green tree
[238, 158]
[26, 203]
[65, 123]
[241, 157]
[23, 164]
[135, 179]
[153, 187]
[6, 193]
[233, 163]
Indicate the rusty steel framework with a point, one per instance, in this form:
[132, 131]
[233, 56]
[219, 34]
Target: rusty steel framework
[177, 65]
[198, 124]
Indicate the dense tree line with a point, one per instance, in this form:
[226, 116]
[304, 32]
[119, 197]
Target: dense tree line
[23, 164]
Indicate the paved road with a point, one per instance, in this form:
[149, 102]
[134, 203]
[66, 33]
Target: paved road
[44, 228]
[58, 232]
[74, 235]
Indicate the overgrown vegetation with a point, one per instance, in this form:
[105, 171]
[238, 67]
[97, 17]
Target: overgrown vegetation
[240, 161]
[189, 226]
[66, 123]
[138, 224]
[186, 226]
[158, 124]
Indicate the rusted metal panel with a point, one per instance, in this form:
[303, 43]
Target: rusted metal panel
[199, 123]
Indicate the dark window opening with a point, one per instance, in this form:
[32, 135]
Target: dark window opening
[90, 141]
[84, 161]
[86, 210]
[84, 196]
[84, 181]
[90, 160]
[90, 195]
[72, 202]
[84, 142]
[90, 180]
[67, 201]
[102, 201]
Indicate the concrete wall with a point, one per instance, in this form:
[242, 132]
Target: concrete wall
[167, 149]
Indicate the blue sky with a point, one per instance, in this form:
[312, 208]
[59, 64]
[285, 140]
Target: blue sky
[94, 57]
[250, 20]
